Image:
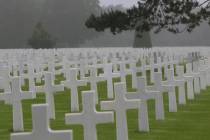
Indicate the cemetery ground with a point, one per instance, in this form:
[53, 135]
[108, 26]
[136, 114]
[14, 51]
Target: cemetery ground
[191, 122]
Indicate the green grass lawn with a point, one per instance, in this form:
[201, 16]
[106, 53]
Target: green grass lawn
[191, 122]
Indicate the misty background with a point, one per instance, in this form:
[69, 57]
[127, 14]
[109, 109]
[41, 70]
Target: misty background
[64, 19]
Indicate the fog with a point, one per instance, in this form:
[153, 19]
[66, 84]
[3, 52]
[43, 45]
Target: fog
[125, 3]
[64, 19]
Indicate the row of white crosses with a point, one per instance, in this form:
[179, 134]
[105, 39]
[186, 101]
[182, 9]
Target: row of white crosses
[49, 89]
[84, 118]
[120, 104]
[122, 101]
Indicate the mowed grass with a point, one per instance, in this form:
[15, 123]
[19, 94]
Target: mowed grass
[191, 122]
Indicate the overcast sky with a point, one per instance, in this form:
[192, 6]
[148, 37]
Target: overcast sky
[125, 3]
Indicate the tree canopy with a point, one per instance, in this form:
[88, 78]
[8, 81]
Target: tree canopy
[154, 15]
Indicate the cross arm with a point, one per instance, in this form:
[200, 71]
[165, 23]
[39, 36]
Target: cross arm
[39, 89]
[152, 94]
[179, 82]
[132, 95]
[100, 78]
[188, 77]
[167, 88]
[134, 103]
[82, 83]
[105, 117]
[66, 84]
[115, 75]
[151, 88]
[21, 136]
[107, 105]
[74, 118]
[61, 135]
[28, 95]
[165, 82]
[196, 74]
[58, 88]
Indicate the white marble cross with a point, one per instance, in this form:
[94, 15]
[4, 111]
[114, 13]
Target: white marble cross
[38, 70]
[41, 130]
[14, 98]
[143, 69]
[73, 83]
[51, 68]
[15, 70]
[189, 78]
[115, 63]
[143, 119]
[50, 89]
[196, 81]
[120, 105]
[109, 75]
[196, 75]
[144, 94]
[30, 75]
[207, 63]
[82, 67]
[180, 83]
[89, 117]
[170, 89]
[134, 71]
[123, 72]
[94, 79]
[152, 67]
[203, 69]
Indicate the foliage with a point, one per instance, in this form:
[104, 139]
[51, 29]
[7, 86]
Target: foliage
[41, 38]
[153, 15]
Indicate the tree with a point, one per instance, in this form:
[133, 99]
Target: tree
[144, 41]
[153, 15]
[41, 38]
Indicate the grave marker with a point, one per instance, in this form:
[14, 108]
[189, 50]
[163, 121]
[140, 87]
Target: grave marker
[120, 105]
[144, 94]
[94, 79]
[159, 86]
[41, 130]
[73, 83]
[50, 90]
[89, 117]
[109, 75]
